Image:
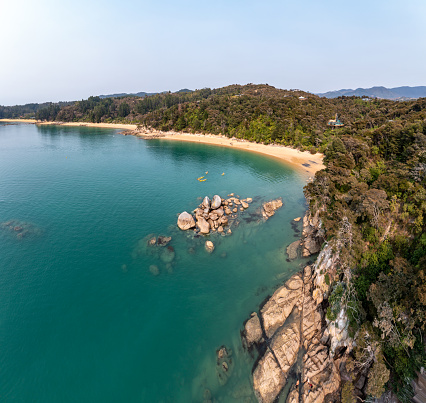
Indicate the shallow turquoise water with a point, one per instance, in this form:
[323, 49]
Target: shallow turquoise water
[82, 319]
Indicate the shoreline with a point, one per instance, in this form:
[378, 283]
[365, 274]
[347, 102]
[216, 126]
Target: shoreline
[290, 156]
[305, 162]
[87, 124]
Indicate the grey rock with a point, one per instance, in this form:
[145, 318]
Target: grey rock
[185, 221]
[206, 203]
[216, 202]
[253, 330]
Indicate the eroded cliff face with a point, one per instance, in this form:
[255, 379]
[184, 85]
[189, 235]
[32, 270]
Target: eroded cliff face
[296, 336]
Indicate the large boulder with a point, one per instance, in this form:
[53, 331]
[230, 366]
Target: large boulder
[203, 225]
[185, 221]
[206, 203]
[253, 330]
[216, 202]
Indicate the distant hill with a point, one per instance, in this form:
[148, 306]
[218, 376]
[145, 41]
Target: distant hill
[140, 94]
[397, 93]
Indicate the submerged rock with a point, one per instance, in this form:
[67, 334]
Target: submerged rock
[224, 364]
[154, 270]
[163, 240]
[167, 255]
[209, 246]
[292, 249]
[20, 229]
[185, 221]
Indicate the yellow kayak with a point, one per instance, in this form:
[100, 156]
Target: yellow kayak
[202, 180]
[201, 177]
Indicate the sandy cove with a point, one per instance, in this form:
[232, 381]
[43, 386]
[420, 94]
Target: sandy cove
[305, 162]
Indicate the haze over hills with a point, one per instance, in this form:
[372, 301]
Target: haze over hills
[397, 93]
[140, 94]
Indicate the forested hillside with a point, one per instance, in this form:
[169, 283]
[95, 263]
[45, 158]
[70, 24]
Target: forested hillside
[29, 111]
[372, 191]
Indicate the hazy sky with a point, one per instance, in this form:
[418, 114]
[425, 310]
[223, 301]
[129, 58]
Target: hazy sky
[55, 50]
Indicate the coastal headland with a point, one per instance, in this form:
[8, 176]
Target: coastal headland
[305, 162]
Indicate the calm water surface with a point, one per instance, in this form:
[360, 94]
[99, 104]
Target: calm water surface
[82, 318]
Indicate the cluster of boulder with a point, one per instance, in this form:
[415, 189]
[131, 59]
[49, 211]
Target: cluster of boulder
[224, 364]
[213, 215]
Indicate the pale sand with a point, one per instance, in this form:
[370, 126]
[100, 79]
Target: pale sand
[88, 124]
[287, 155]
[19, 120]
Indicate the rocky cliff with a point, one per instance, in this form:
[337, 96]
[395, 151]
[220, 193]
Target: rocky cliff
[297, 344]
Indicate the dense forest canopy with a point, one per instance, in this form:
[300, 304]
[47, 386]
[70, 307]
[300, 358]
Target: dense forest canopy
[28, 111]
[372, 197]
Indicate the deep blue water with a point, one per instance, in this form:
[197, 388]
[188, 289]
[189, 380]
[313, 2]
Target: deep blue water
[82, 318]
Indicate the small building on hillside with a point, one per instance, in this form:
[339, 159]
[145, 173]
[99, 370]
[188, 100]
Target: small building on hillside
[302, 98]
[335, 122]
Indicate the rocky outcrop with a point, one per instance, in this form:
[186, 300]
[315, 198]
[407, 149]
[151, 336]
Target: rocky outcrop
[212, 215]
[185, 221]
[313, 234]
[293, 321]
[269, 208]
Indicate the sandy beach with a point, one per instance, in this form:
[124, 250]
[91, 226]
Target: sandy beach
[19, 120]
[303, 161]
[88, 124]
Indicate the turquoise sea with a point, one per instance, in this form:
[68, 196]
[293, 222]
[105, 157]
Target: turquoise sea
[82, 318]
